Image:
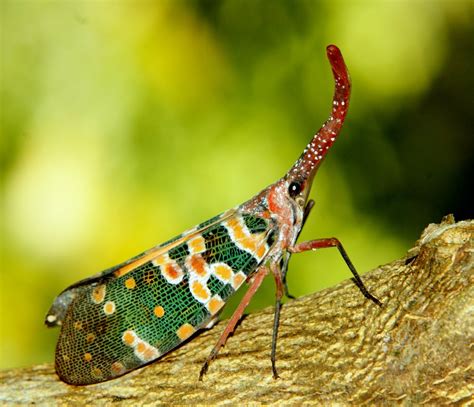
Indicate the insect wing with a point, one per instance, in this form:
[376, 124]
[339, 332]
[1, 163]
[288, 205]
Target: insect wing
[141, 310]
[57, 311]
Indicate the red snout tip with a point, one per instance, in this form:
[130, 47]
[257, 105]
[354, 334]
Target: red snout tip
[332, 50]
[337, 62]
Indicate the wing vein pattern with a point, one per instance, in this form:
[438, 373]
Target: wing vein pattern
[146, 311]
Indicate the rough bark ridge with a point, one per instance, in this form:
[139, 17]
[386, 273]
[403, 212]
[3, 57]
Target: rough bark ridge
[334, 346]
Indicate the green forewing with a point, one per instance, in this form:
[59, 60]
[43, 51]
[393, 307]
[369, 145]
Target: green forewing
[120, 322]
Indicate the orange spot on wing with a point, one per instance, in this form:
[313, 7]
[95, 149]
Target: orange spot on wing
[233, 222]
[261, 251]
[172, 271]
[150, 353]
[185, 331]
[239, 233]
[197, 245]
[248, 243]
[140, 347]
[200, 291]
[98, 294]
[215, 304]
[90, 337]
[78, 325]
[198, 264]
[129, 338]
[246, 240]
[87, 357]
[109, 307]
[237, 228]
[130, 283]
[223, 271]
[159, 311]
[117, 368]
[238, 279]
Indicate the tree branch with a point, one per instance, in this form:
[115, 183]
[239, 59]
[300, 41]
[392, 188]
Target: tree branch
[334, 346]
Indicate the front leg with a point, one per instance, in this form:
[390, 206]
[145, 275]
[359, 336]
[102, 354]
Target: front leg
[254, 285]
[333, 242]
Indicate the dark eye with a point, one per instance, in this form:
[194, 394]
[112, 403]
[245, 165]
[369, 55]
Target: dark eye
[294, 189]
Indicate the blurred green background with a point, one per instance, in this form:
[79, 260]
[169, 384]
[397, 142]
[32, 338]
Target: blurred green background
[124, 123]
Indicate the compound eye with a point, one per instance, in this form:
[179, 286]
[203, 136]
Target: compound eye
[294, 189]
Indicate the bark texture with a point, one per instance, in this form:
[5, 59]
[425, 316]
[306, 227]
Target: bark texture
[334, 346]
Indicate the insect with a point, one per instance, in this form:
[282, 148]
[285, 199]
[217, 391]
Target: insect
[135, 312]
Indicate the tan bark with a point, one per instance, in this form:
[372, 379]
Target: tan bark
[334, 347]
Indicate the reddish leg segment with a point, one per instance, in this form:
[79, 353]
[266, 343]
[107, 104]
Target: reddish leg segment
[333, 242]
[254, 285]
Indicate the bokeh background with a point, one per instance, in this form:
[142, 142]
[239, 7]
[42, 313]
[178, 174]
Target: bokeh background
[124, 123]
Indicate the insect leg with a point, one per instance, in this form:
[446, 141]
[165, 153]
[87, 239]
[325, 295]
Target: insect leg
[254, 285]
[276, 320]
[333, 242]
[286, 258]
[307, 211]
[284, 268]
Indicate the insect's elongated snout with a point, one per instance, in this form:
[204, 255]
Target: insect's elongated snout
[306, 166]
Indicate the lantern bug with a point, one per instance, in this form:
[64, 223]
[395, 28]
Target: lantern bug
[135, 312]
